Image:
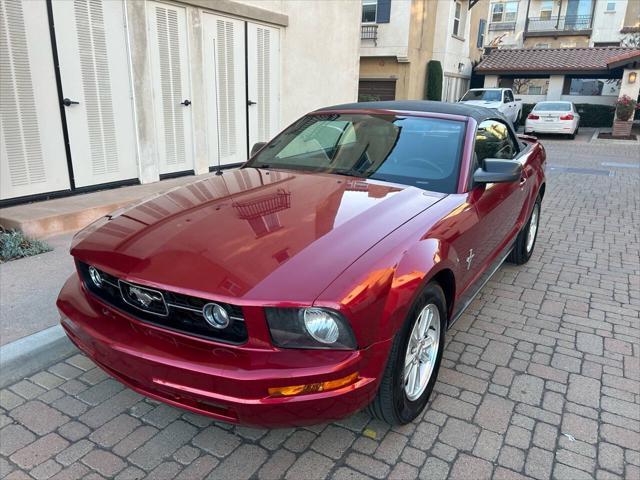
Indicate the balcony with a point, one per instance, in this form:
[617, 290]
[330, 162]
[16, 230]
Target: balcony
[369, 32]
[502, 26]
[559, 25]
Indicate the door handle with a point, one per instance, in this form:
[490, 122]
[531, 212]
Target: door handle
[186, 103]
[250, 102]
[67, 102]
[523, 180]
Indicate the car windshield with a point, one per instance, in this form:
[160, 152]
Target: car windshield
[421, 152]
[553, 107]
[487, 95]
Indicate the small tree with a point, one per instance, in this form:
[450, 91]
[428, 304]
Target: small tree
[433, 83]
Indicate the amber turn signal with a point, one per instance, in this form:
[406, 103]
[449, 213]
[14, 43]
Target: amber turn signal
[313, 387]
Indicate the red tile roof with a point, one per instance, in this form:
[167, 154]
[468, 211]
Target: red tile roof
[554, 60]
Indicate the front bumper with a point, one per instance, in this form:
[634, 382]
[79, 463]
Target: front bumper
[226, 382]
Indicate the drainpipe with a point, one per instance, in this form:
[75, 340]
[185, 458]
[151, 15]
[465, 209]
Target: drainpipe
[526, 20]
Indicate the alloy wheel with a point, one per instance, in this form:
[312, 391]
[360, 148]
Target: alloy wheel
[422, 352]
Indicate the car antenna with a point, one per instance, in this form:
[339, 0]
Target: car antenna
[215, 76]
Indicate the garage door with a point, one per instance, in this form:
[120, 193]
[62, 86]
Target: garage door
[373, 90]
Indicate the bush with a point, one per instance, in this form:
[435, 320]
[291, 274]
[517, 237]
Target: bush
[14, 244]
[591, 115]
[433, 83]
[625, 108]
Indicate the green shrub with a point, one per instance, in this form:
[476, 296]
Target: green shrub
[14, 244]
[591, 115]
[433, 83]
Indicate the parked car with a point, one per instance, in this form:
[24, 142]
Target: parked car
[553, 117]
[317, 279]
[500, 99]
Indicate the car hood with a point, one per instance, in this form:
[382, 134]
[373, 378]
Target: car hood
[250, 234]
[483, 103]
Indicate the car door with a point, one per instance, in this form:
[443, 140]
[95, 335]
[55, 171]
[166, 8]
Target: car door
[499, 206]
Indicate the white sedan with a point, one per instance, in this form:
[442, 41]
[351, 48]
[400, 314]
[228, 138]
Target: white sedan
[553, 117]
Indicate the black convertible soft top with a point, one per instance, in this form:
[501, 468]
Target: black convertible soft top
[478, 113]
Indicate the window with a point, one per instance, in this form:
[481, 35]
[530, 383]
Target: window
[553, 107]
[482, 27]
[369, 11]
[542, 45]
[421, 152]
[508, 96]
[606, 44]
[504, 12]
[546, 10]
[530, 86]
[534, 90]
[489, 95]
[593, 87]
[493, 140]
[611, 7]
[457, 20]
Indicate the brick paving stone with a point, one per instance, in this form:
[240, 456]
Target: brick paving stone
[165, 471]
[494, 413]
[403, 471]
[580, 427]
[310, 464]
[366, 465]
[164, 444]
[468, 467]
[334, 441]
[38, 417]
[130, 473]
[199, 468]
[45, 470]
[527, 389]
[458, 434]
[545, 436]
[511, 457]
[76, 471]
[134, 440]
[589, 343]
[611, 457]
[27, 390]
[488, 445]
[13, 437]
[539, 463]
[391, 447]
[276, 466]
[114, 430]
[584, 390]
[434, 468]
[346, 473]
[106, 463]
[39, 451]
[74, 452]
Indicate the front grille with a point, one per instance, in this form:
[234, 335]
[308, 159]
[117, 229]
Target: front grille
[175, 311]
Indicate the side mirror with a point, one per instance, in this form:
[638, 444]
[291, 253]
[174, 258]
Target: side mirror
[257, 147]
[498, 171]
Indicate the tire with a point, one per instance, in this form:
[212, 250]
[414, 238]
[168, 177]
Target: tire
[392, 403]
[522, 250]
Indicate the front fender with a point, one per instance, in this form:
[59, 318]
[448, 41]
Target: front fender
[417, 267]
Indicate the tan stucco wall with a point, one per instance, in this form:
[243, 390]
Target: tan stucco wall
[632, 15]
[479, 11]
[421, 41]
[387, 68]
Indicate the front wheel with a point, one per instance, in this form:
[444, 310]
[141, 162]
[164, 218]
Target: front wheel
[414, 360]
[526, 239]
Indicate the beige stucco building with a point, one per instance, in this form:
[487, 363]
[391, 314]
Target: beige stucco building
[101, 93]
[399, 37]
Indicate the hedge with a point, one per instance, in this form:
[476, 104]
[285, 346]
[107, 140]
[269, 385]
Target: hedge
[591, 115]
[433, 83]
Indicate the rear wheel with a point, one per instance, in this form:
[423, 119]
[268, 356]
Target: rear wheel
[526, 240]
[414, 360]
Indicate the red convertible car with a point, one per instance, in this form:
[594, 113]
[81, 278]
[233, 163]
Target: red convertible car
[319, 277]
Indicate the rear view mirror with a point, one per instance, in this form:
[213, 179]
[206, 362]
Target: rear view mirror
[257, 147]
[497, 170]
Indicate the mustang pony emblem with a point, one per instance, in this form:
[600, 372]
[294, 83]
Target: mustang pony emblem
[470, 258]
[144, 298]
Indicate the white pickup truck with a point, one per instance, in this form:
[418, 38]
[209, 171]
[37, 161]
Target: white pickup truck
[500, 99]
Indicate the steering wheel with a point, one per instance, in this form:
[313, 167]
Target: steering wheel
[420, 162]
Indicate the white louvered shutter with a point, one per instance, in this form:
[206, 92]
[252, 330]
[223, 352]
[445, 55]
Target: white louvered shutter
[167, 30]
[92, 49]
[32, 154]
[225, 89]
[263, 65]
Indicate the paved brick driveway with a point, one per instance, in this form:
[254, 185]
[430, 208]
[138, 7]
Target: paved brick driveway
[541, 377]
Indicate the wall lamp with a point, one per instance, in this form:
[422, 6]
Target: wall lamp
[633, 76]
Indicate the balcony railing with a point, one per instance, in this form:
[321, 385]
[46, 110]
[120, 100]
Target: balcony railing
[369, 32]
[566, 25]
[502, 26]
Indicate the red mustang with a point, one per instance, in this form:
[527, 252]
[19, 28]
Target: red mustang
[318, 278]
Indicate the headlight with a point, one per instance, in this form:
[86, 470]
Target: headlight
[309, 328]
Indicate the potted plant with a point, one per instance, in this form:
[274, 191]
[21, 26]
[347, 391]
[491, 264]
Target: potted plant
[625, 108]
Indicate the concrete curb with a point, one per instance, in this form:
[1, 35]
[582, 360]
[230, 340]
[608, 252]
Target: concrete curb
[30, 354]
